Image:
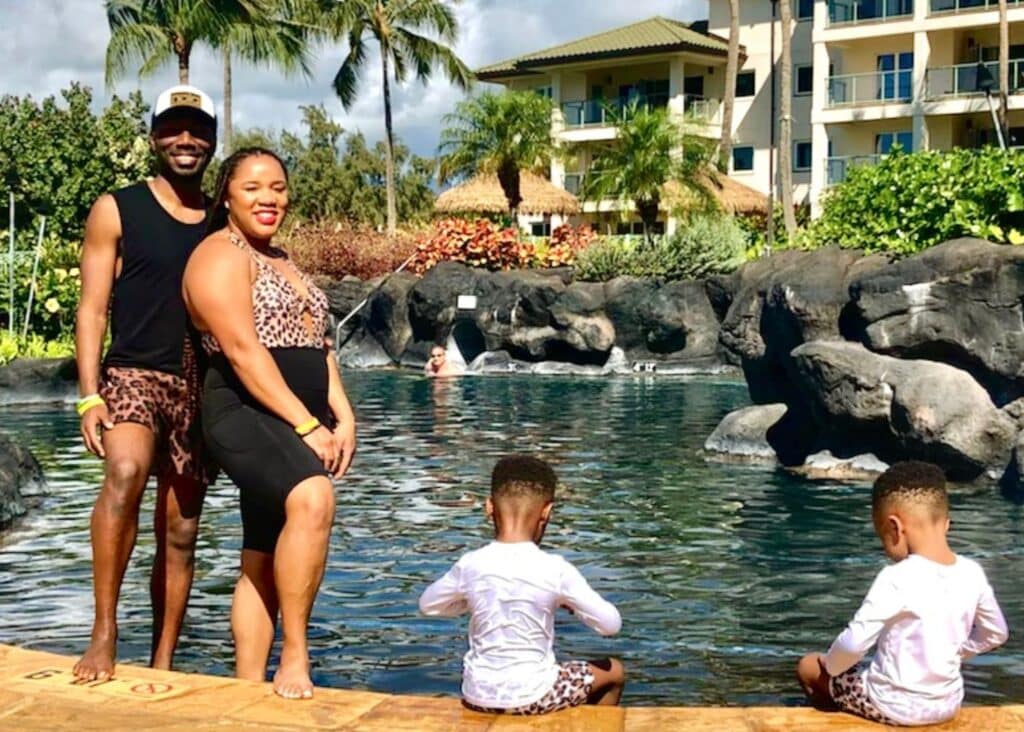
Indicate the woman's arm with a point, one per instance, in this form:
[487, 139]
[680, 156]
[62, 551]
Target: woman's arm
[217, 288]
[345, 430]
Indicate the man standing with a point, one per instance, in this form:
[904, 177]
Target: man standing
[139, 406]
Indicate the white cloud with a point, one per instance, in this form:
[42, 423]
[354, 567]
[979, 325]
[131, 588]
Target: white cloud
[49, 43]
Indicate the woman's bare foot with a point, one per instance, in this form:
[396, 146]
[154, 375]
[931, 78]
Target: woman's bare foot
[292, 677]
[97, 663]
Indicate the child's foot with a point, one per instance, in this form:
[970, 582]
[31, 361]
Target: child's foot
[292, 678]
[97, 663]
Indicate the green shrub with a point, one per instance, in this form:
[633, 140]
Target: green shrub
[58, 284]
[701, 246]
[909, 202]
[35, 346]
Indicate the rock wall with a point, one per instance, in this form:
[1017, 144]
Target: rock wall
[528, 318]
[21, 480]
[922, 358]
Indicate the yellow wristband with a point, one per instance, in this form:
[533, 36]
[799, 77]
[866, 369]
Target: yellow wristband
[86, 403]
[306, 427]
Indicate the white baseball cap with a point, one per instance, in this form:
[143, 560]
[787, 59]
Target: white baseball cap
[183, 96]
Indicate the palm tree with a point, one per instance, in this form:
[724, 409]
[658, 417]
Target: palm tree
[786, 118]
[498, 133]
[281, 40]
[397, 26]
[1004, 66]
[154, 31]
[729, 100]
[649, 151]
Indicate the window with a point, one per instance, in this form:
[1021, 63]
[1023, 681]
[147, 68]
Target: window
[896, 72]
[804, 9]
[885, 142]
[540, 228]
[743, 159]
[544, 91]
[745, 84]
[803, 84]
[802, 155]
[636, 228]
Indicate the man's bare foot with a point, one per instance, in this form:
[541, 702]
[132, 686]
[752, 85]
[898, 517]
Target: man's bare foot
[292, 677]
[97, 663]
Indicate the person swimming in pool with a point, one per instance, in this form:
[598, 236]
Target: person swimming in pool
[438, 365]
[275, 414]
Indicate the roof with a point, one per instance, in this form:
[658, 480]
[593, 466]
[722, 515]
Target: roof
[654, 35]
[483, 194]
[732, 195]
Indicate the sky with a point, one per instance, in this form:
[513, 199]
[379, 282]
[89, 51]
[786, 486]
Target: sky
[49, 43]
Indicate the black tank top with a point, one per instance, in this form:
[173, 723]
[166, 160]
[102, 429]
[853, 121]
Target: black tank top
[147, 314]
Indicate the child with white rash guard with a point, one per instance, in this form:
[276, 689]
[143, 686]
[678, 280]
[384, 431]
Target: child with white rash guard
[511, 588]
[925, 614]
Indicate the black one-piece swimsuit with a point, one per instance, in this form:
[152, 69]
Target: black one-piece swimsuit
[258, 450]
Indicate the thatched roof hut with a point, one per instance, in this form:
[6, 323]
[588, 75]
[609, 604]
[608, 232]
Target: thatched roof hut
[482, 194]
[734, 197]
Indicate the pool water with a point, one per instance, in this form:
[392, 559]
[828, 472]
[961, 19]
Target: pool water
[724, 574]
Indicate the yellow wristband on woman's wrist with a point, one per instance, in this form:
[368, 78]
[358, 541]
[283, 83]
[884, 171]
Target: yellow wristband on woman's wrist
[88, 402]
[306, 427]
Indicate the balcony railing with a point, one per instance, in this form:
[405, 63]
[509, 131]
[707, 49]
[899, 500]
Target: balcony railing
[838, 167]
[964, 80]
[868, 11]
[605, 112]
[879, 86]
[957, 6]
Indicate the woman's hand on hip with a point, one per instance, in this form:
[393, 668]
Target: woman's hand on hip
[321, 442]
[345, 441]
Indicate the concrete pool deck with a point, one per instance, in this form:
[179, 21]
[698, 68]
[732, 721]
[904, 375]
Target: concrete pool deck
[37, 692]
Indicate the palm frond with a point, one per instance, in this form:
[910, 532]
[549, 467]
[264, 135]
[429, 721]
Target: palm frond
[346, 81]
[424, 54]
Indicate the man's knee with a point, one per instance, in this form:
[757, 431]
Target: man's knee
[124, 480]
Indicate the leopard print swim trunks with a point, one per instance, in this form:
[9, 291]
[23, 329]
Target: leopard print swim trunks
[850, 695]
[572, 688]
[168, 405]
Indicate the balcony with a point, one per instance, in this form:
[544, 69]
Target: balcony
[838, 167]
[964, 80]
[605, 112]
[872, 88]
[844, 12]
[960, 6]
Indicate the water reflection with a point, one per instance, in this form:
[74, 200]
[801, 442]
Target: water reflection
[723, 574]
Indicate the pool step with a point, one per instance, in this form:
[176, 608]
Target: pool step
[37, 692]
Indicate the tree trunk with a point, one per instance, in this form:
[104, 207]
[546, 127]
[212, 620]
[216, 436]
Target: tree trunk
[1004, 68]
[786, 117]
[389, 149]
[509, 179]
[183, 49]
[647, 209]
[729, 99]
[229, 132]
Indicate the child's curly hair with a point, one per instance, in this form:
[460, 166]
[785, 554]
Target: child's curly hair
[912, 482]
[520, 475]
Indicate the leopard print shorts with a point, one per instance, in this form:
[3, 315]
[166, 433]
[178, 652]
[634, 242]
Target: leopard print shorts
[571, 689]
[169, 406]
[850, 695]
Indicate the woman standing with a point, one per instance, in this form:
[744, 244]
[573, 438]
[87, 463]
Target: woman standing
[275, 414]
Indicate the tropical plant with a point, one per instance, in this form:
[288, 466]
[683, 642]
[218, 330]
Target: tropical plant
[650, 149]
[911, 201]
[346, 249]
[155, 31]
[33, 346]
[397, 26]
[498, 133]
[729, 98]
[786, 117]
[281, 40]
[480, 243]
[707, 244]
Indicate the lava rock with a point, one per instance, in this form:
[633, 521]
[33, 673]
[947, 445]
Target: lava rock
[743, 434]
[38, 380]
[21, 480]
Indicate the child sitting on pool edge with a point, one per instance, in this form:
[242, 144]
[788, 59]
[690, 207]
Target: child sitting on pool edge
[511, 588]
[928, 612]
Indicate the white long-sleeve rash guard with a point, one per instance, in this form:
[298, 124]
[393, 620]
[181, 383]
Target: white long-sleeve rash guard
[512, 591]
[926, 618]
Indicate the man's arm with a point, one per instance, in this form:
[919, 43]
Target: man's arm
[98, 267]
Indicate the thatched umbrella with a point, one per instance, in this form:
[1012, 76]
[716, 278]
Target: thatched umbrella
[482, 194]
[731, 195]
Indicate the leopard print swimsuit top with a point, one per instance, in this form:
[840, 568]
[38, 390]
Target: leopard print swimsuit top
[279, 309]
